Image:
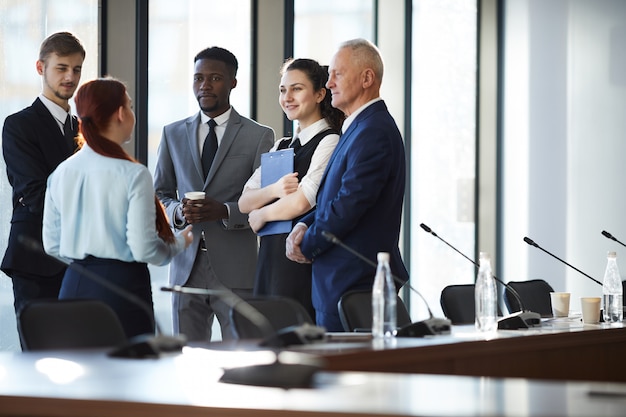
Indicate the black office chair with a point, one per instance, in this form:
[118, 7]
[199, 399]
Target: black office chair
[457, 303]
[280, 312]
[534, 294]
[355, 311]
[69, 324]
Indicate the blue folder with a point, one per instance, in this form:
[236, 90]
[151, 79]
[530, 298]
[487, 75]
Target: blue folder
[275, 165]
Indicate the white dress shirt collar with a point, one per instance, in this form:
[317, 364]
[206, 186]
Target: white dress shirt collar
[350, 119]
[57, 111]
[305, 135]
[221, 119]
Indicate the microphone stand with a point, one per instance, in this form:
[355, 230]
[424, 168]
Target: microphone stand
[522, 319]
[278, 373]
[140, 346]
[532, 243]
[430, 326]
[610, 236]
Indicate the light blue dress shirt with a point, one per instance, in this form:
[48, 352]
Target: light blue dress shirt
[102, 206]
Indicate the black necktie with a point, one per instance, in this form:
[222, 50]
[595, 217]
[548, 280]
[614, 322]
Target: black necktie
[68, 131]
[209, 148]
[295, 144]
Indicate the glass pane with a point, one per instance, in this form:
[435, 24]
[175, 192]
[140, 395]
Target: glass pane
[342, 21]
[24, 24]
[177, 32]
[443, 146]
[345, 20]
[564, 100]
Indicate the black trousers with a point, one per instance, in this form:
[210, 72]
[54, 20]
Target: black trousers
[127, 277]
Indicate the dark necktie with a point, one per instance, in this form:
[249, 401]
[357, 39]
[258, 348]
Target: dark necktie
[68, 131]
[209, 148]
[295, 144]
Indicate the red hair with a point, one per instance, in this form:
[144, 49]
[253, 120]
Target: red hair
[96, 102]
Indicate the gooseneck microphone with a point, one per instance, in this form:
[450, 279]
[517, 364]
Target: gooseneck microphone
[522, 319]
[532, 243]
[610, 236]
[278, 373]
[140, 346]
[508, 287]
[292, 335]
[430, 326]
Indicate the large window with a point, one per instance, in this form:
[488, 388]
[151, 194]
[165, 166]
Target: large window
[342, 21]
[177, 32]
[443, 146]
[564, 101]
[23, 25]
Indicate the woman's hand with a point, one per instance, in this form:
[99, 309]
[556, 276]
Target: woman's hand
[286, 185]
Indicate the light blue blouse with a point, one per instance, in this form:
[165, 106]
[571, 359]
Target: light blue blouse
[101, 206]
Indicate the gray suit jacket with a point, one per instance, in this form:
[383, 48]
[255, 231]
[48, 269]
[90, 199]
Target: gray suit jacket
[231, 245]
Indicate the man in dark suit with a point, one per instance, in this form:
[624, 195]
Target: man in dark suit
[224, 251]
[361, 194]
[34, 141]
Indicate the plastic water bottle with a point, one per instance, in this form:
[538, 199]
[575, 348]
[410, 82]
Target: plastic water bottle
[612, 291]
[384, 323]
[486, 296]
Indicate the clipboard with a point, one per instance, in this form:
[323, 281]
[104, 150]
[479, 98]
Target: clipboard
[275, 165]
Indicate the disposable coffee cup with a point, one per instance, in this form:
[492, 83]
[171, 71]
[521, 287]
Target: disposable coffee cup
[590, 307]
[195, 195]
[560, 303]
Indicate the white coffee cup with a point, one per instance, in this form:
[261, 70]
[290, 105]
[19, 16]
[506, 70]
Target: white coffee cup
[560, 303]
[195, 195]
[590, 307]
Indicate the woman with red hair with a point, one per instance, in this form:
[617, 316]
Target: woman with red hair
[101, 212]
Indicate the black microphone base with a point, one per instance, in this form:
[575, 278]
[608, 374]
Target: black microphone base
[428, 327]
[520, 320]
[277, 374]
[302, 334]
[149, 346]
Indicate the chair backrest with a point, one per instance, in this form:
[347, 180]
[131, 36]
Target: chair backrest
[535, 295]
[69, 324]
[355, 311]
[457, 303]
[281, 312]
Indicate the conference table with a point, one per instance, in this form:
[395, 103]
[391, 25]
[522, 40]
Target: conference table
[433, 376]
[89, 383]
[561, 349]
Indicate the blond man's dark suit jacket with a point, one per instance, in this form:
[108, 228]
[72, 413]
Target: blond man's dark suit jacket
[33, 145]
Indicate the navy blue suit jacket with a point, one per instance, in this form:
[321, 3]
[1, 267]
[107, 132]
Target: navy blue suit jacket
[359, 201]
[33, 145]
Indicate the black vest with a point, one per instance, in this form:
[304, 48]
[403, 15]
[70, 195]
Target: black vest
[302, 157]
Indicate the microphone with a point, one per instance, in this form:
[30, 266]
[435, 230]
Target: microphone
[291, 335]
[532, 243]
[278, 373]
[430, 326]
[522, 319]
[610, 236]
[140, 346]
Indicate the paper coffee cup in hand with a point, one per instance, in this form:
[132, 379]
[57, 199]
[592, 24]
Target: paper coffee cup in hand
[195, 195]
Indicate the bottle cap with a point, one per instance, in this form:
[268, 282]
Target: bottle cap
[484, 255]
[382, 257]
[612, 254]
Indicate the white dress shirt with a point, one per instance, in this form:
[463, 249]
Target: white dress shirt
[310, 183]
